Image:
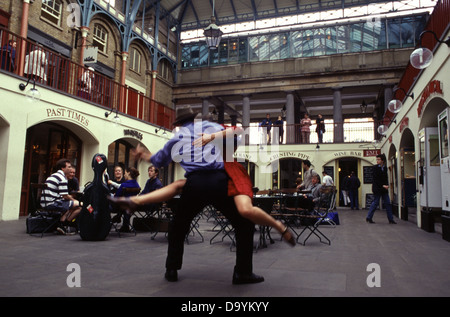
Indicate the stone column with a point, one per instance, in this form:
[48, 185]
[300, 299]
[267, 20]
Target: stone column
[246, 115]
[205, 106]
[337, 116]
[290, 118]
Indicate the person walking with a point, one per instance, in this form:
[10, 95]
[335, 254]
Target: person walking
[380, 186]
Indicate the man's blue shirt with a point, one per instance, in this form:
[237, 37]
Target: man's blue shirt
[180, 149]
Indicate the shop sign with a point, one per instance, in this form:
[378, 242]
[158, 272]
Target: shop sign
[403, 124]
[348, 153]
[368, 153]
[67, 113]
[133, 133]
[433, 87]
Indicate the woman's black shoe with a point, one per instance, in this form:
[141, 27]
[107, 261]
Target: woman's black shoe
[369, 220]
[392, 222]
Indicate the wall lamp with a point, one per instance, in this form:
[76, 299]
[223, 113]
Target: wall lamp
[422, 57]
[382, 129]
[116, 119]
[395, 105]
[33, 95]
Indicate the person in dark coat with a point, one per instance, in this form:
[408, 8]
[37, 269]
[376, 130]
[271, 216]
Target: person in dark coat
[353, 184]
[380, 186]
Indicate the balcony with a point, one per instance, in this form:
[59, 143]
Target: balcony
[47, 68]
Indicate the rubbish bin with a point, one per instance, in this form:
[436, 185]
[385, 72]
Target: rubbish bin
[427, 219]
[445, 227]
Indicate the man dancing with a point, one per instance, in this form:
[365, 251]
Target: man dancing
[206, 184]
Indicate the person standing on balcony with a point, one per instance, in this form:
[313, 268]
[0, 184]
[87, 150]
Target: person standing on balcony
[279, 124]
[36, 64]
[305, 123]
[85, 83]
[266, 125]
[320, 128]
[8, 56]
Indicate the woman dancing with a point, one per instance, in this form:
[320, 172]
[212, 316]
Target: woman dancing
[239, 187]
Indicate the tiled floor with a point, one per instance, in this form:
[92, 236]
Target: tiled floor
[409, 262]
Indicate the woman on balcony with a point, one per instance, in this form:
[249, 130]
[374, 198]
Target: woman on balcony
[305, 123]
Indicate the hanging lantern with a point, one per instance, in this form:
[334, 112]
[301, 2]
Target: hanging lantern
[213, 34]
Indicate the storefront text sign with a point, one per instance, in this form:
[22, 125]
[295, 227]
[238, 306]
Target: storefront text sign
[403, 124]
[67, 113]
[136, 134]
[433, 87]
[348, 153]
[368, 153]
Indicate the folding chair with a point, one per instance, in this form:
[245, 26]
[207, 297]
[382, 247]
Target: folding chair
[225, 228]
[313, 221]
[40, 220]
[127, 192]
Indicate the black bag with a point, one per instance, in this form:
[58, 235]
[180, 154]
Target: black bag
[38, 222]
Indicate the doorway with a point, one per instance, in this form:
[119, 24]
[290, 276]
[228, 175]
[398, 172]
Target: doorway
[46, 143]
[346, 166]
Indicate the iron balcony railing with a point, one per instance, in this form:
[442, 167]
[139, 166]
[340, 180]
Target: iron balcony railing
[48, 68]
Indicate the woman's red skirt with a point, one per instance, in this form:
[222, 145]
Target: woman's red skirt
[239, 182]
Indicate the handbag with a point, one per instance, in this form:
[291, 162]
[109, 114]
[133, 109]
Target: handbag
[331, 216]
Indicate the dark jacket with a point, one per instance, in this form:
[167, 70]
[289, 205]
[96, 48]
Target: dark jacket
[151, 185]
[380, 178]
[353, 183]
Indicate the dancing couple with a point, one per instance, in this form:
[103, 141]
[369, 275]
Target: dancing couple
[225, 185]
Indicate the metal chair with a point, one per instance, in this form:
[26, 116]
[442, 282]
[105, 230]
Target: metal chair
[127, 192]
[313, 221]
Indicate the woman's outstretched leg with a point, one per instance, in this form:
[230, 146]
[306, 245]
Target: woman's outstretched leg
[157, 196]
[260, 217]
[160, 195]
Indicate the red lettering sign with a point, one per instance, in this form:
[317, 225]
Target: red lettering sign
[404, 124]
[433, 87]
[371, 152]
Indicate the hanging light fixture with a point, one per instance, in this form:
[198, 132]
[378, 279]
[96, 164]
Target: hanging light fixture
[363, 106]
[422, 57]
[396, 105]
[212, 33]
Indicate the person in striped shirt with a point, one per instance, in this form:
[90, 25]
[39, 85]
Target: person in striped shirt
[55, 197]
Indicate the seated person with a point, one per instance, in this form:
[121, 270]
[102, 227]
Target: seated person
[310, 200]
[56, 196]
[72, 183]
[118, 179]
[153, 183]
[130, 176]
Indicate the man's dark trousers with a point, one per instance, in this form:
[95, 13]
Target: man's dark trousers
[202, 188]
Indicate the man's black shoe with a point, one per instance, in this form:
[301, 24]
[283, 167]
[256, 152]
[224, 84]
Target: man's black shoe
[171, 275]
[246, 278]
